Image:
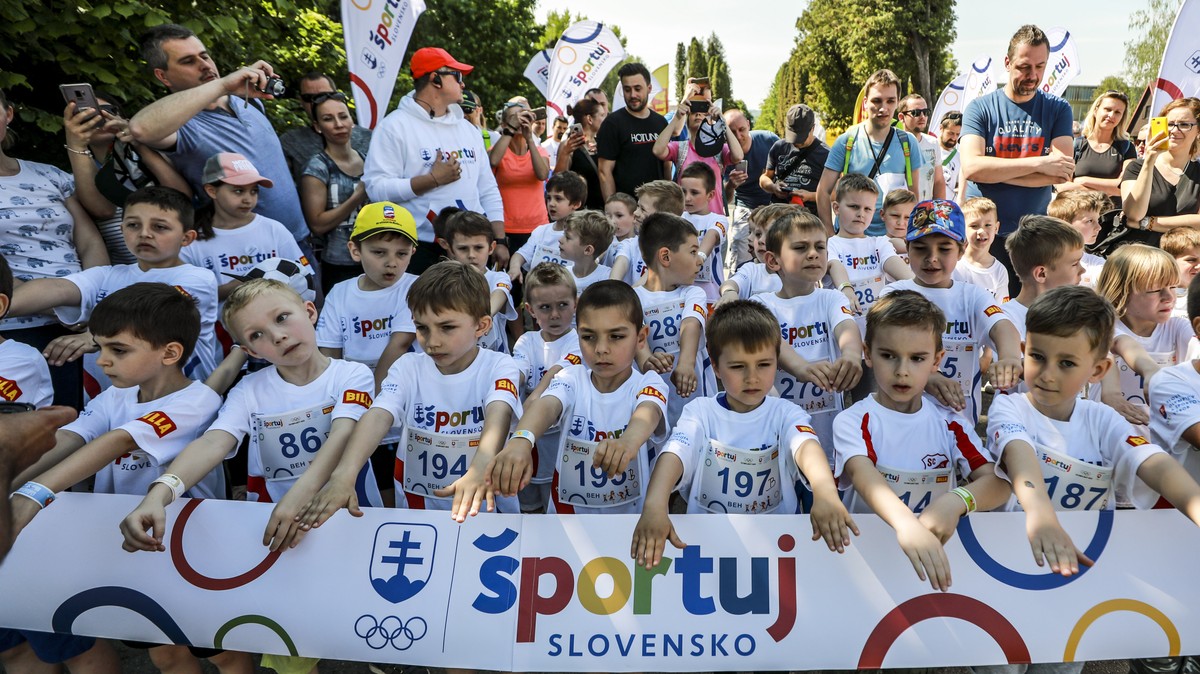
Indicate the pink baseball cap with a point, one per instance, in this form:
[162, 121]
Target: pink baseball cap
[233, 169]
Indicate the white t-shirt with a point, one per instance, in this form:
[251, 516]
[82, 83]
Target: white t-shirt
[630, 249]
[1174, 408]
[993, 279]
[430, 404]
[24, 375]
[753, 278]
[590, 416]
[1092, 266]
[863, 259]
[712, 272]
[236, 251]
[929, 150]
[665, 312]
[971, 313]
[359, 322]
[1095, 435]
[497, 338]
[99, 282]
[600, 273]
[951, 163]
[931, 440]
[807, 324]
[711, 480]
[1167, 346]
[534, 356]
[610, 256]
[1016, 313]
[288, 424]
[161, 428]
[542, 246]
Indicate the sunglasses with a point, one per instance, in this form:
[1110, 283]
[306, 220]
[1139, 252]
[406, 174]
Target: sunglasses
[323, 96]
[458, 76]
[917, 112]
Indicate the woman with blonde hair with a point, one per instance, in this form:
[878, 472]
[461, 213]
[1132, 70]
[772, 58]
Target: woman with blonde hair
[1103, 150]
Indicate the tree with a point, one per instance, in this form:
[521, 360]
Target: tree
[680, 69]
[1114, 83]
[718, 69]
[1143, 53]
[697, 60]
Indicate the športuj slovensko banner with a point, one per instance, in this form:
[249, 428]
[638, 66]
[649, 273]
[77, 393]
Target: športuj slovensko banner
[377, 33]
[580, 60]
[1063, 66]
[1179, 75]
[559, 593]
[538, 71]
[965, 88]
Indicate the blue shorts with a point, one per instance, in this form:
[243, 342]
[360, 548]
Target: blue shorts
[47, 646]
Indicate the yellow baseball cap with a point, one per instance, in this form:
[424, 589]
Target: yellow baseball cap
[383, 216]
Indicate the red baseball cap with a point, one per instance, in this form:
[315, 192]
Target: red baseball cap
[429, 59]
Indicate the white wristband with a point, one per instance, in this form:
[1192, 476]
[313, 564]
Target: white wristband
[172, 482]
[526, 435]
[36, 492]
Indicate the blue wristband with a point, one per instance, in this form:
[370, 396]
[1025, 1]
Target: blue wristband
[38, 493]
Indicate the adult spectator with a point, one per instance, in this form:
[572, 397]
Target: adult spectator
[747, 194]
[796, 164]
[554, 141]
[578, 150]
[599, 96]
[44, 232]
[472, 107]
[1016, 141]
[425, 156]
[695, 109]
[1140, 144]
[625, 144]
[521, 168]
[302, 143]
[108, 166]
[1161, 191]
[876, 149]
[914, 113]
[948, 158]
[24, 438]
[205, 114]
[1104, 150]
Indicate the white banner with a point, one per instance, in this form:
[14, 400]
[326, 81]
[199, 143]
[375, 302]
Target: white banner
[965, 88]
[656, 88]
[1063, 66]
[376, 33]
[1179, 74]
[547, 593]
[538, 71]
[582, 57]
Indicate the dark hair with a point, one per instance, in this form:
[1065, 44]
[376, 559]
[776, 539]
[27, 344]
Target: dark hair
[903, 106]
[1039, 241]
[168, 199]
[439, 221]
[10, 136]
[593, 90]
[464, 223]
[610, 293]
[746, 323]
[704, 172]
[314, 75]
[583, 108]
[450, 285]
[152, 40]
[1064, 311]
[631, 69]
[1193, 297]
[663, 230]
[6, 280]
[1028, 34]
[154, 312]
[905, 309]
[571, 184]
[952, 118]
[791, 222]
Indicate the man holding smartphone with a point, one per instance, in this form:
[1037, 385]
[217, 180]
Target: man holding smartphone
[796, 163]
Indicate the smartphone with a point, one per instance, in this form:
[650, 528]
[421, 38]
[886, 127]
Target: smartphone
[1158, 125]
[539, 113]
[81, 94]
[14, 408]
[575, 128]
[701, 82]
[699, 106]
[741, 166]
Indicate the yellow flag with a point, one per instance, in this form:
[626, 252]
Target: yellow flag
[659, 102]
[858, 105]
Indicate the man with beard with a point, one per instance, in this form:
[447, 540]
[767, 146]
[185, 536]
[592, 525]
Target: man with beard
[744, 186]
[948, 157]
[795, 164]
[625, 143]
[914, 116]
[1016, 141]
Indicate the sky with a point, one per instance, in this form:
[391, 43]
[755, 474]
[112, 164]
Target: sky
[758, 35]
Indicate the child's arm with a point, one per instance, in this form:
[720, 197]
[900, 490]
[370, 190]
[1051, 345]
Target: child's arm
[65, 444]
[1136, 357]
[284, 529]
[729, 292]
[514, 266]
[619, 269]
[1046, 535]
[338, 491]
[69, 348]
[818, 372]
[829, 517]
[40, 294]
[226, 289]
[924, 550]
[896, 268]
[398, 345]
[500, 300]
[947, 391]
[712, 238]
[848, 366]
[989, 490]
[661, 361]
[901, 247]
[543, 384]
[685, 377]
[471, 490]
[193, 463]
[841, 280]
[1168, 477]
[1112, 395]
[654, 527]
[614, 454]
[1005, 371]
[512, 468]
[226, 373]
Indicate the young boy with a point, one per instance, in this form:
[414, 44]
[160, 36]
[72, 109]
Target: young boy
[550, 298]
[1045, 254]
[467, 237]
[619, 209]
[816, 323]
[897, 206]
[1183, 243]
[656, 196]
[979, 266]
[753, 278]
[566, 193]
[607, 410]
[936, 239]
[675, 310]
[454, 401]
[157, 224]
[742, 433]
[24, 375]
[1175, 400]
[898, 453]
[586, 235]
[1081, 210]
[867, 260]
[699, 185]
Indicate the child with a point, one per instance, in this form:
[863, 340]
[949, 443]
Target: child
[608, 410]
[157, 225]
[1183, 244]
[897, 206]
[1045, 254]
[1175, 401]
[699, 185]
[467, 237]
[1081, 210]
[865, 259]
[566, 193]
[619, 209]
[816, 323]
[898, 453]
[232, 238]
[550, 298]
[674, 310]
[936, 239]
[24, 375]
[978, 265]
[586, 235]
[741, 431]
[454, 401]
[656, 196]
[753, 277]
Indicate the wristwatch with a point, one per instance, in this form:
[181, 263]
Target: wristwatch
[501, 241]
[1145, 223]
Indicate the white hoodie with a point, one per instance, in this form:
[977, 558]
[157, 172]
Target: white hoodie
[405, 145]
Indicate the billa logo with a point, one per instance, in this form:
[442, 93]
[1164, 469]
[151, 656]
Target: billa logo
[506, 385]
[653, 393]
[9, 390]
[350, 396]
[160, 422]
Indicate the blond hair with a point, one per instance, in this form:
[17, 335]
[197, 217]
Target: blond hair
[453, 286]
[592, 228]
[1068, 205]
[977, 206]
[666, 196]
[1089, 122]
[1135, 268]
[249, 291]
[763, 216]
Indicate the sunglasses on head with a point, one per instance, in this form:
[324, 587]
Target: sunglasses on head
[323, 96]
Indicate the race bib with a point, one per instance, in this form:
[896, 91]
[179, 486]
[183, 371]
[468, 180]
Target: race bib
[918, 488]
[553, 254]
[961, 363]
[1133, 385]
[664, 322]
[866, 291]
[891, 181]
[809, 396]
[745, 481]
[706, 275]
[582, 484]
[435, 460]
[288, 442]
[1074, 484]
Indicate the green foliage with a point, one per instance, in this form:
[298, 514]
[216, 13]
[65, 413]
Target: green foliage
[697, 60]
[1114, 83]
[1150, 27]
[680, 67]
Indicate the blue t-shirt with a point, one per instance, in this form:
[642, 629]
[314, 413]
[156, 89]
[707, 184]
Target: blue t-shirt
[749, 193]
[891, 174]
[249, 133]
[1013, 130]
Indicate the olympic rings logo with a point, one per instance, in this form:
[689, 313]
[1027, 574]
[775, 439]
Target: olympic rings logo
[947, 605]
[198, 579]
[1027, 581]
[391, 630]
[1112, 606]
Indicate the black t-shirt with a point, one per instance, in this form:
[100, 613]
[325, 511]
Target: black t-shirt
[1166, 199]
[1107, 164]
[629, 141]
[799, 169]
[587, 169]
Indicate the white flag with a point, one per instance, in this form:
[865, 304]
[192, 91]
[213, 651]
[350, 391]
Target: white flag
[965, 88]
[1179, 75]
[583, 56]
[1063, 65]
[618, 97]
[377, 33]
[538, 70]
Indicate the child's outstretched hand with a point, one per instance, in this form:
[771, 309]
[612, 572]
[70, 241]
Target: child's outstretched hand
[68, 348]
[147, 517]
[23, 512]
[333, 497]
[1005, 373]
[926, 554]
[831, 521]
[512, 468]
[845, 373]
[685, 379]
[853, 297]
[613, 455]
[1138, 415]
[650, 538]
[660, 361]
[818, 373]
[284, 529]
[946, 390]
[469, 492]
[941, 517]
[1050, 542]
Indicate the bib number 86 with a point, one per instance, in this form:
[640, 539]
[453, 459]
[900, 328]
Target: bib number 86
[310, 440]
